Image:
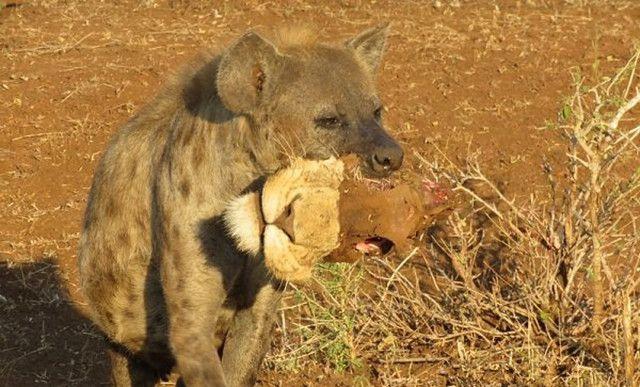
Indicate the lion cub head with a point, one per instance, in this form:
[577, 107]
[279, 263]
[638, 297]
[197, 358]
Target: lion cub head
[294, 221]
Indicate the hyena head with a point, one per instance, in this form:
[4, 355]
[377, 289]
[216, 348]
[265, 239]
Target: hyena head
[317, 100]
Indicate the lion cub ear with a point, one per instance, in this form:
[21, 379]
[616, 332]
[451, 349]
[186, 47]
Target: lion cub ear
[243, 218]
[245, 70]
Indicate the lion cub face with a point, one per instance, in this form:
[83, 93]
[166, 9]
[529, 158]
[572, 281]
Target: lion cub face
[294, 221]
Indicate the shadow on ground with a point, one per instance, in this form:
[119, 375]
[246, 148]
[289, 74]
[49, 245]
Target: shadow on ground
[44, 340]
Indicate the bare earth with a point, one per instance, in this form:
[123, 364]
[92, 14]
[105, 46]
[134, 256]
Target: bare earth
[467, 76]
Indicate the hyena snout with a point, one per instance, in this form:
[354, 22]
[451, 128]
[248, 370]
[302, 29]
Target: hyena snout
[387, 159]
[385, 155]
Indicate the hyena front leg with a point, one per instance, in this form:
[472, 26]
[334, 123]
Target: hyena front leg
[249, 337]
[194, 292]
[129, 372]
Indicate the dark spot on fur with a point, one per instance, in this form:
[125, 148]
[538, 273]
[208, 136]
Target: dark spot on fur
[124, 239]
[166, 215]
[186, 304]
[173, 305]
[175, 232]
[109, 317]
[128, 313]
[133, 298]
[111, 208]
[197, 155]
[185, 188]
[110, 278]
[186, 136]
[109, 254]
[176, 259]
[134, 169]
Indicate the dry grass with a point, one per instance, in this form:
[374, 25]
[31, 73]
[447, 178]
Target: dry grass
[78, 70]
[540, 292]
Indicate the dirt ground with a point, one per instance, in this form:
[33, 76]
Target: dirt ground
[467, 76]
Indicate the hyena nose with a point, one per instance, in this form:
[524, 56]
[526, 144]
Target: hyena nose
[387, 159]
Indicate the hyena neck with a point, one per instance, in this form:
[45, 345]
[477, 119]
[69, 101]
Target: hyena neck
[231, 154]
[258, 147]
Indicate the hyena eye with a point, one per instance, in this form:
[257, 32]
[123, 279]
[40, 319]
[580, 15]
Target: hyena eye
[331, 122]
[378, 113]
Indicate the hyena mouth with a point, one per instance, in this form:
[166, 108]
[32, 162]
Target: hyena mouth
[366, 166]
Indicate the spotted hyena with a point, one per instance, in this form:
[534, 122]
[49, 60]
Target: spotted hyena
[164, 281]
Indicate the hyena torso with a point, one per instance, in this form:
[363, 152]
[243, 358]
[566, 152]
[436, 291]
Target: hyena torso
[163, 280]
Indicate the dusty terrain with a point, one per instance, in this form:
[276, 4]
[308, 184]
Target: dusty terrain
[481, 77]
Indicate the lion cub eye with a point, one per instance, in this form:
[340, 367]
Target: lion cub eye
[329, 122]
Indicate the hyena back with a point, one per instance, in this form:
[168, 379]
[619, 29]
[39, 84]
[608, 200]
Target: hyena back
[163, 280]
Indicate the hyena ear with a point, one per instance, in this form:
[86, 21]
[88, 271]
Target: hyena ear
[244, 70]
[370, 44]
